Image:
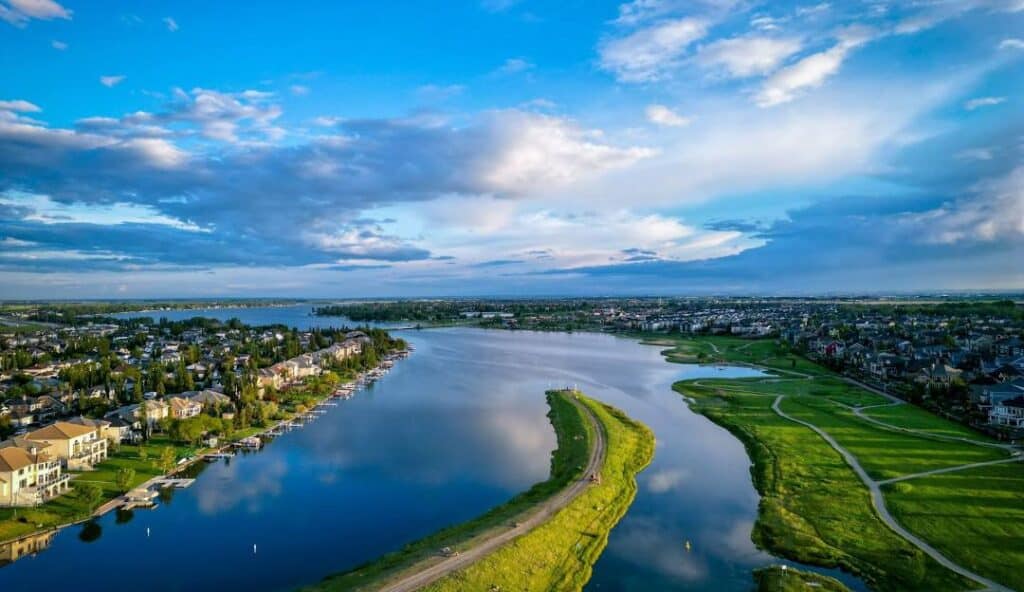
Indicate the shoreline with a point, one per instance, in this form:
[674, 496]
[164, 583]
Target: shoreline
[119, 501]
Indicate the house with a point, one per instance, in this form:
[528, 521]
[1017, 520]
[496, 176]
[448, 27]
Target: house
[208, 399]
[29, 477]
[155, 411]
[99, 424]
[266, 377]
[1008, 413]
[181, 408]
[77, 446]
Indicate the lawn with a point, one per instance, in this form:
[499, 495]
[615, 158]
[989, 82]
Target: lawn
[883, 453]
[559, 555]
[574, 439]
[814, 509]
[975, 517]
[776, 579]
[908, 416]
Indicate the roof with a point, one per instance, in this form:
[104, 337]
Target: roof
[61, 430]
[89, 422]
[14, 458]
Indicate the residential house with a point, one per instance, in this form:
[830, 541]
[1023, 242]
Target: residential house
[29, 477]
[182, 408]
[77, 446]
[1008, 413]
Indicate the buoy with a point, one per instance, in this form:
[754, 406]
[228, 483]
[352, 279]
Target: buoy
[147, 532]
[687, 546]
[254, 548]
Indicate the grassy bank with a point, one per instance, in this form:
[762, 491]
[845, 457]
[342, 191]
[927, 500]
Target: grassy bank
[560, 554]
[776, 579]
[814, 508]
[574, 442]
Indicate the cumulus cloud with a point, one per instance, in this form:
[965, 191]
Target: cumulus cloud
[1011, 43]
[171, 24]
[58, 45]
[19, 105]
[991, 211]
[662, 115]
[19, 12]
[741, 57]
[652, 52]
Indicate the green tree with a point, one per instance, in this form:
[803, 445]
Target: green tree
[90, 493]
[124, 479]
[167, 459]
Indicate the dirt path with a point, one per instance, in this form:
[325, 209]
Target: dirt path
[491, 543]
[878, 501]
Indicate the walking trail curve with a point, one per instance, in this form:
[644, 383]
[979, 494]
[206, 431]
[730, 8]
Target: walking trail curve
[491, 543]
[878, 500]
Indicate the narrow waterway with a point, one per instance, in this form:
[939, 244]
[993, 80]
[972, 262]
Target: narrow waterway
[454, 430]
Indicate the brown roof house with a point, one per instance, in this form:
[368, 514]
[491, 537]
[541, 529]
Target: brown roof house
[29, 476]
[79, 447]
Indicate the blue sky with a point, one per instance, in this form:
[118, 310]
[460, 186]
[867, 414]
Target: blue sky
[510, 147]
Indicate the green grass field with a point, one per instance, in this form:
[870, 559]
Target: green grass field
[815, 509]
[915, 418]
[574, 443]
[975, 517]
[559, 555]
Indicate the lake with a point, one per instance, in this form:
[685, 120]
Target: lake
[454, 430]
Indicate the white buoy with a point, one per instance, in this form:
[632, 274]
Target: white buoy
[254, 548]
[147, 532]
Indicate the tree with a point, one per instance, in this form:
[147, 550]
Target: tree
[124, 479]
[90, 493]
[167, 459]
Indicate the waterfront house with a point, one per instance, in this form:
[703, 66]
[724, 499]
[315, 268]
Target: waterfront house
[77, 446]
[102, 425]
[29, 476]
[182, 408]
[1008, 413]
[155, 411]
[208, 399]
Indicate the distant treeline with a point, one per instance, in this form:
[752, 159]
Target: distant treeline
[1003, 309]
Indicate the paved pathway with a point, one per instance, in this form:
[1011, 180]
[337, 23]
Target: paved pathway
[488, 545]
[878, 501]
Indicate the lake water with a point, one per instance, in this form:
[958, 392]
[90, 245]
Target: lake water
[455, 429]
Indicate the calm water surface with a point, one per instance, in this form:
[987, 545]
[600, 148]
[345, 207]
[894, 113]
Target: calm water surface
[454, 430]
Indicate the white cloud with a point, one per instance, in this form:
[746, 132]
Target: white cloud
[58, 45]
[651, 53]
[299, 90]
[19, 105]
[810, 72]
[534, 151]
[662, 115]
[992, 212]
[19, 12]
[172, 25]
[1011, 43]
[973, 104]
[111, 81]
[514, 66]
[741, 57]
[974, 154]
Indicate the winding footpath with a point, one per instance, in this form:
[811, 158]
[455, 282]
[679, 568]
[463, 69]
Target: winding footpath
[878, 500]
[490, 543]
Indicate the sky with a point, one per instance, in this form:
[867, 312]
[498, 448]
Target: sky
[510, 148]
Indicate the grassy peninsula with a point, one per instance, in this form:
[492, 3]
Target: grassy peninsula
[814, 507]
[557, 555]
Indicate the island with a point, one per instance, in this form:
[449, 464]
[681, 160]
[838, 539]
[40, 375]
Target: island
[560, 524]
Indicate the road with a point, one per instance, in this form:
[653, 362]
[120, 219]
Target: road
[878, 501]
[491, 543]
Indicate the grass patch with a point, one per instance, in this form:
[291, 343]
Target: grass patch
[813, 507]
[885, 454]
[915, 418]
[567, 461]
[776, 579]
[560, 554]
[975, 517]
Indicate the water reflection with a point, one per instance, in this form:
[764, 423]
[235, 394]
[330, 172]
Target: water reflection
[454, 430]
[91, 532]
[12, 551]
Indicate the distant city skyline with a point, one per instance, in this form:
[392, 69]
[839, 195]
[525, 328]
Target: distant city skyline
[510, 148]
